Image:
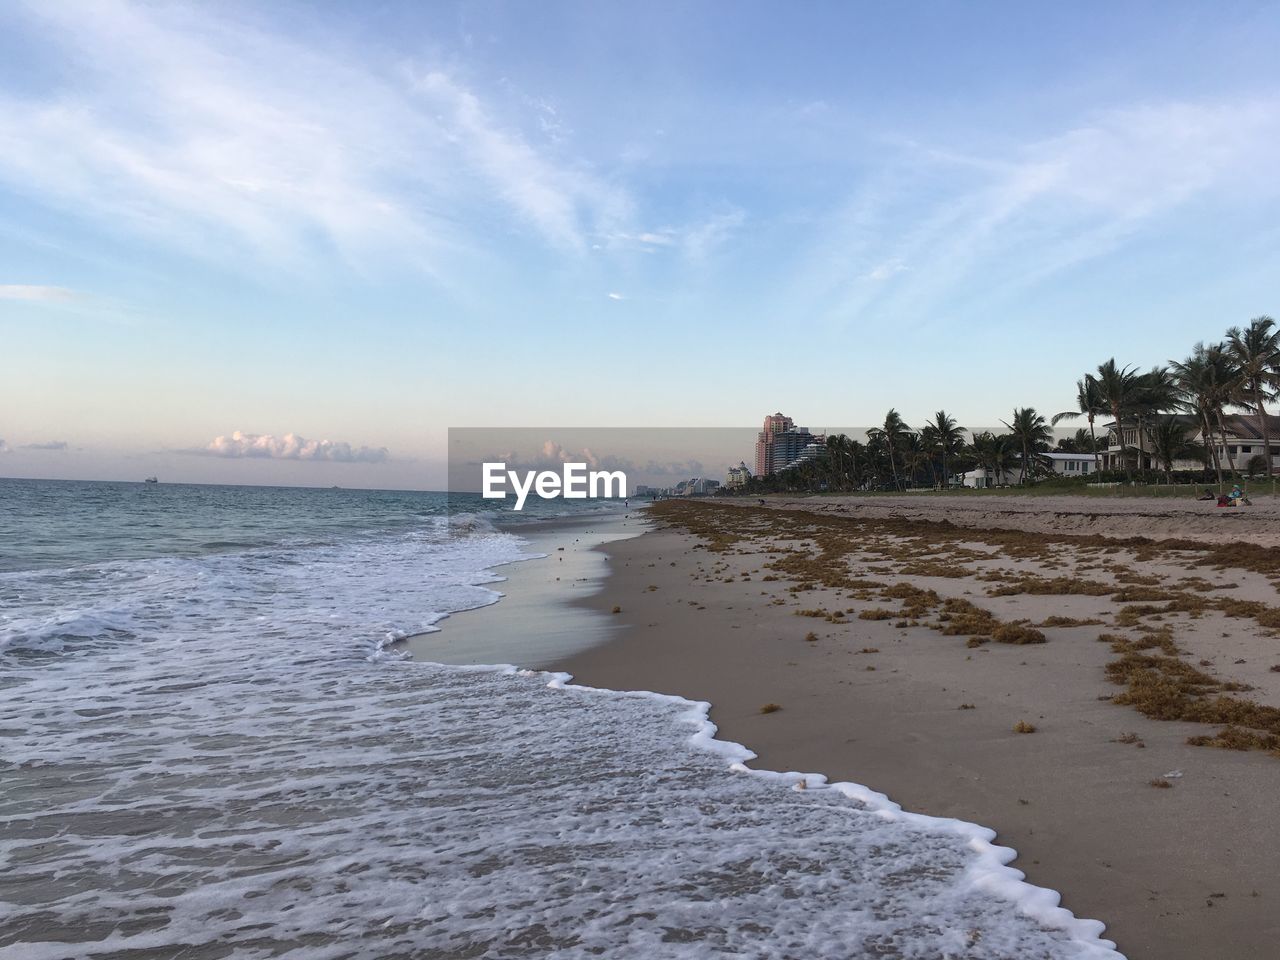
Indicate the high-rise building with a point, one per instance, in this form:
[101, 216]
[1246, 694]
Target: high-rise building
[773, 425]
[781, 443]
[795, 447]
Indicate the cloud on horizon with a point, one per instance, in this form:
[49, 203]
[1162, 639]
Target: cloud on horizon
[48, 445]
[267, 446]
[4, 447]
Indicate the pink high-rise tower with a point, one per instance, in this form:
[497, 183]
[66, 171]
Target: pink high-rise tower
[773, 425]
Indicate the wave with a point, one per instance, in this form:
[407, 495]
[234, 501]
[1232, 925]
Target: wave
[220, 754]
[989, 872]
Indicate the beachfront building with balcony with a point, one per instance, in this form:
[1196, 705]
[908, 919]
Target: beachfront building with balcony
[1237, 441]
[803, 447]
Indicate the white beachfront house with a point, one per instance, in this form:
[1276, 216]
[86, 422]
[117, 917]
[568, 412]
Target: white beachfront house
[1238, 441]
[1063, 464]
[1072, 464]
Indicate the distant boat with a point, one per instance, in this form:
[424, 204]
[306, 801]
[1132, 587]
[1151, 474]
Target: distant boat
[151, 480]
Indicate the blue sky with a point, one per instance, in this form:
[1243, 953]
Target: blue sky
[362, 224]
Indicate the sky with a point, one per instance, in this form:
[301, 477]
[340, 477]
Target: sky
[295, 243]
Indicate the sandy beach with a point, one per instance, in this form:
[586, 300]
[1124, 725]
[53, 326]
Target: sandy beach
[898, 643]
[533, 625]
[1092, 515]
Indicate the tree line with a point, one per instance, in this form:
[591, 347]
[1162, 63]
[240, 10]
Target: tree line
[1166, 408]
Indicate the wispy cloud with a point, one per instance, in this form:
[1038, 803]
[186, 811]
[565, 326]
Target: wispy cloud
[36, 292]
[218, 135]
[694, 241]
[702, 239]
[49, 445]
[290, 447]
[1021, 215]
[884, 271]
[555, 199]
[645, 238]
[616, 296]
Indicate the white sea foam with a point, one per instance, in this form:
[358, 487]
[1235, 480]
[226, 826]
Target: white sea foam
[216, 756]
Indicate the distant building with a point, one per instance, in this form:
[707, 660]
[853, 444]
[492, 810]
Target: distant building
[737, 476]
[1071, 464]
[812, 448]
[644, 490]
[695, 487]
[781, 444]
[773, 425]
[1063, 464]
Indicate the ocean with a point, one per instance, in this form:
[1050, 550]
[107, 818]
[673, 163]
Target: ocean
[210, 746]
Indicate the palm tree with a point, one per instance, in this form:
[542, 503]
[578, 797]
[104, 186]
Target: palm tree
[893, 431]
[843, 456]
[928, 441]
[1079, 442]
[1032, 434]
[836, 449]
[1256, 351]
[1090, 403]
[915, 456]
[949, 437]
[981, 446]
[1154, 394]
[1169, 442]
[1004, 449]
[1204, 384]
[876, 454]
[1117, 386]
[856, 454]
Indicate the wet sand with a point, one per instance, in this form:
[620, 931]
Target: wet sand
[537, 623]
[1178, 872]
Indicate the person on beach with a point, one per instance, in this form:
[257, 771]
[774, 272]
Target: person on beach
[1207, 495]
[1235, 498]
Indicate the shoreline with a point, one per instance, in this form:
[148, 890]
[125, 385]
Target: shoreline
[993, 872]
[533, 621]
[526, 587]
[1174, 873]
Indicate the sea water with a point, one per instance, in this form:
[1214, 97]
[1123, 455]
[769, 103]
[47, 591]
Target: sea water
[210, 748]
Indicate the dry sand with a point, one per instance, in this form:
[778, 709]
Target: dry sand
[1188, 871]
[1098, 514]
